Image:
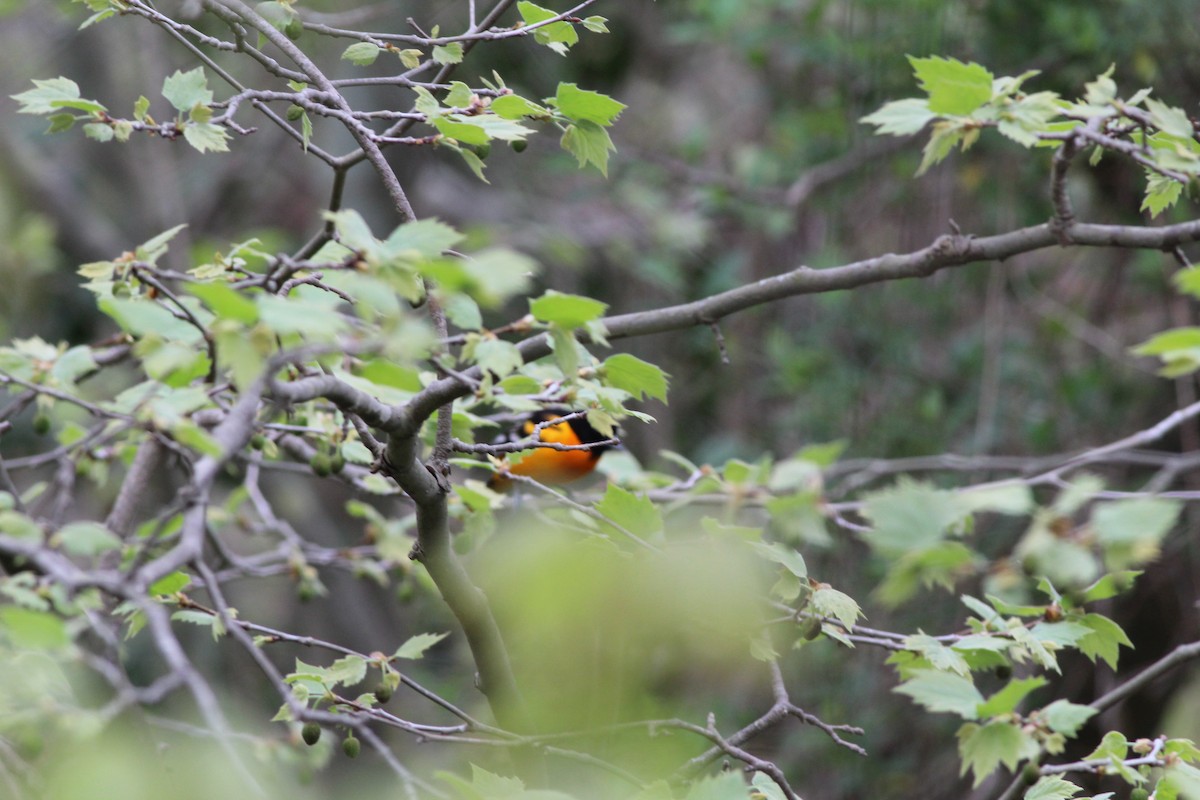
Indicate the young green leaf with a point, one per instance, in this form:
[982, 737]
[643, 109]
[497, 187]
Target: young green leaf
[953, 87]
[416, 646]
[568, 310]
[983, 748]
[635, 513]
[583, 104]
[943, 692]
[361, 53]
[184, 90]
[639, 378]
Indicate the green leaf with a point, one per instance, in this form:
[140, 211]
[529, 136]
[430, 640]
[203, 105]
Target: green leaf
[939, 656]
[50, 95]
[786, 557]
[566, 351]
[451, 53]
[1109, 586]
[585, 105]
[100, 131]
[1183, 748]
[1103, 90]
[85, 539]
[140, 108]
[416, 646]
[361, 53]
[511, 106]
[1105, 640]
[497, 356]
[831, 603]
[463, 312]
[1130, 531]
[1168, 119]
[909, 516]
[520, 384]
[384, 372]
[170, 584]
[29, 628]
[943, 692]
[184, 90]
[206, 137]
[60, 123]
[226, 302]
[983, 748]
[1052, 787]
[497, 274]
[557, 35]
[1007, 699]
[953, 87]
[428, 238]
[635, 513]
[941, 142]
[295, 314]
[639, 378]
[348, 670]
[901, 117]
[589, 143]
[1114, 745]
[568, 310]
[1066, 717]
[1179, 349]
[192, 436]
[599, 25]
[1179, 780]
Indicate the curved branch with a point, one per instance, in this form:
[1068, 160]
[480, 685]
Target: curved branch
[946, 251]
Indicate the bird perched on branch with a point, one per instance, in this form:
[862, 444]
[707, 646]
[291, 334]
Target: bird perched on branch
[552, 465]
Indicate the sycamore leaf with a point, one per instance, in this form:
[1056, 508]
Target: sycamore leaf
[1105, 640]
[451, 53]
[585, 105]
[206, 137]
[1066, 717]
[361, 53]
[635, 513]
[639, 378]
[416, 646]
[589, 143]
[1007, 699]
[1052, 787]
[568, 310]
[52, 94]
[901, 117]
[984, 748]
[184, 90]
[943, 692]
[953, 87]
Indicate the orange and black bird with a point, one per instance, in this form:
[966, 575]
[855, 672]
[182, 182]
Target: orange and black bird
[546, 464]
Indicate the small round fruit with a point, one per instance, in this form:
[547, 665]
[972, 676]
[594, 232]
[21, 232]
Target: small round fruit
[337, 463]
[383, 692]
[41, 423]
[295, 112]
[310, 733]
[258, 441]
[518, 145]
[351, 746]
[294, 28]
[1031, 774]
[321, 464]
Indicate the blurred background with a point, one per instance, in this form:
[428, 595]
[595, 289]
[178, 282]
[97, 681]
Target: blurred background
[740, 156]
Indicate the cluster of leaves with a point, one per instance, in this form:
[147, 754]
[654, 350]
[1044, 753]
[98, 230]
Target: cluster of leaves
[59, 100]
[965, 98]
